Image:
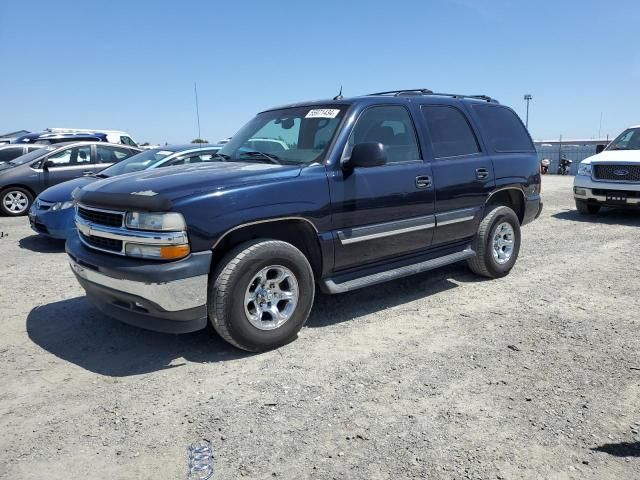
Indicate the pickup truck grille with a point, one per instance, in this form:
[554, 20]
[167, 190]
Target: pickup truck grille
[617, 173]
[101, 217]
[102, 243]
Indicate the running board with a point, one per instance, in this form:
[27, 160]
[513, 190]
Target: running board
[375, 278]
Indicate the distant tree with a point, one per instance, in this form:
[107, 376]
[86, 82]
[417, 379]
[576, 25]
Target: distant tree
[199, 140]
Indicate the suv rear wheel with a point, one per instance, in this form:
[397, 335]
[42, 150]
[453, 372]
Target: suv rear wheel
[496, 244]
[586, 208]
[15, 201]
[261, 295]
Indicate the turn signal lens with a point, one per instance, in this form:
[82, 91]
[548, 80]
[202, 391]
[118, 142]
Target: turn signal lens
[174, 251]
[168, 252]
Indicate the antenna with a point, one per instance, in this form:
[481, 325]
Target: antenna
[195, 89]
[339, 96]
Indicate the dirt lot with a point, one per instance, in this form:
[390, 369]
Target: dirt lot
[442, 375]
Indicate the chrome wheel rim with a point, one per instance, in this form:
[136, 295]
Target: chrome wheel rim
[15, 201]
[503, 241]
[271, 297]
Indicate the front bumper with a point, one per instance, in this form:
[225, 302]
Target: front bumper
[55, 224]
[585, 188]
[162, 296]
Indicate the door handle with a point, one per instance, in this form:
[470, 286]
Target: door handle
[482, 173]
[423, 181]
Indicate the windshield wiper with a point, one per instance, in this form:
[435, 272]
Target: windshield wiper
[270, 158]
[223, 156]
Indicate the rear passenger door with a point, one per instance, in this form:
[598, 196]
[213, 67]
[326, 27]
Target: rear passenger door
[66, 165]
[462, 172]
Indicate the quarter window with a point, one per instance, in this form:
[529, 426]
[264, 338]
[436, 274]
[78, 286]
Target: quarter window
[391, 126]
[449, 131]
[503, 128]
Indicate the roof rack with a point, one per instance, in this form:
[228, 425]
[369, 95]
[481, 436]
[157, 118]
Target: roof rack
[426, 91]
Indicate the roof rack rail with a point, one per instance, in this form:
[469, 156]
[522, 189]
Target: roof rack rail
[426, 91]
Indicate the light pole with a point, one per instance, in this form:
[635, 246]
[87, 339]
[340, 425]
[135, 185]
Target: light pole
[527, 99]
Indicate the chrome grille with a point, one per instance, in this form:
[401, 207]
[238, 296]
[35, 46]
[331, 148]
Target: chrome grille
[617, 173]
[101, 217]
[102, 243]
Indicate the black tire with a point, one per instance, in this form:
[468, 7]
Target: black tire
[230, 281]
[484, 262]
[22, 193]
[586, 208]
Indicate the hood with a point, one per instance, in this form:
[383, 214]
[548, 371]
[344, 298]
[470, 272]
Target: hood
[615, 156]
[62, 191]
[174, 183]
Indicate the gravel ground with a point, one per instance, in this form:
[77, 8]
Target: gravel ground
[441, 375]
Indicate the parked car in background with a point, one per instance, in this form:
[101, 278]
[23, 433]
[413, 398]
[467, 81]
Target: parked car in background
[371, 189]
[51, 214]
[10, 152]
[23, 178]
[610, 178]
[59, 135]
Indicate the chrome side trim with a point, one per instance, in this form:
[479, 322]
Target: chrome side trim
[456, 216]
[170, 296]
[258, 222]
[381, 230]
[332, 287]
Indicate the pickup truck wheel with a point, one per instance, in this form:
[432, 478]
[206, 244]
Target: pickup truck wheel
[496, 244]
[261, 295]
[15, 201]
[586, 208]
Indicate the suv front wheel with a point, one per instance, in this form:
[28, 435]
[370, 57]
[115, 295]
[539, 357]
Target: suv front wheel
[261, 295]
[496, 244]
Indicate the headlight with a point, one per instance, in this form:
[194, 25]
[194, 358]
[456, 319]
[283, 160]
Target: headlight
[167, 222]
[584, 169]
[62, 205]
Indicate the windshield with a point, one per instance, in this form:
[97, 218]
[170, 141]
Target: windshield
[140, 161]
[627, 140]
[31, 156]
[299, 135]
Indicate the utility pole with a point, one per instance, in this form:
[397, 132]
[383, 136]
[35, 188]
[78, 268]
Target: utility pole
[527, 98]
[195, 89]
[600, 127]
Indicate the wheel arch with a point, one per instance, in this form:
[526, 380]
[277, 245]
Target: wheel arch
[298, 231]
[512, 197]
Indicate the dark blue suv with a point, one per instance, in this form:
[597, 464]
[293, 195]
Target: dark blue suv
[354, 192]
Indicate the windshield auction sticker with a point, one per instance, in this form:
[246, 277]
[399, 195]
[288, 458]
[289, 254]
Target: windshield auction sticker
[322, 113]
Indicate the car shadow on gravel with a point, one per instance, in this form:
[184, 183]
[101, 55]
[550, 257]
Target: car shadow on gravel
[626, 217]
[622, 449]
[332, 309]
[77, 332]
[40, 244]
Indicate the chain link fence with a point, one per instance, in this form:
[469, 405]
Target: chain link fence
[574, 151]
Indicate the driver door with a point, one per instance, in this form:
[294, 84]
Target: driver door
[66, 165]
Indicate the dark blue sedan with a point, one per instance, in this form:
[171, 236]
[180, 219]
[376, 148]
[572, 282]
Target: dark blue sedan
[51, 213]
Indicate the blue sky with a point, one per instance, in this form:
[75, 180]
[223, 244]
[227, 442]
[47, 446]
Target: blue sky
[131, 65]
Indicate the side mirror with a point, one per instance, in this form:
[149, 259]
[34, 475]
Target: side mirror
[368, 154]
[600, 148]
[47, 165]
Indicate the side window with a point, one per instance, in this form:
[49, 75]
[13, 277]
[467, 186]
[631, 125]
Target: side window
[105, 155]
[121, 153]
[390, 125]
[7, 154]
[71, 157]
[504, 130]
[449, 131]
[127, 141]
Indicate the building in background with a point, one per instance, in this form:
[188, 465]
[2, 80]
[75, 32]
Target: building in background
[6, 138]
[575, 150]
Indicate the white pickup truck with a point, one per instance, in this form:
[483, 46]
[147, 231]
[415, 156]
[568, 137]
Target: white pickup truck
[611, 177]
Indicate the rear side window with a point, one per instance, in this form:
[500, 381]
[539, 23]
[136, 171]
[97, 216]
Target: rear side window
[7, 154]
[504, 130]
[450, 132]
